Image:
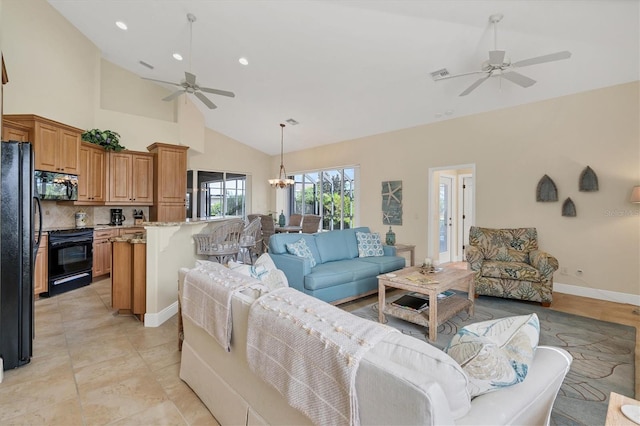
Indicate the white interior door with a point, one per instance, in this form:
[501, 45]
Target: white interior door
[445, 217]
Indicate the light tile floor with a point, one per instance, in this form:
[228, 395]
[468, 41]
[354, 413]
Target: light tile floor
[93, 367]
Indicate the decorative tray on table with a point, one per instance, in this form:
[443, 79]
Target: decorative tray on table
[429, 270]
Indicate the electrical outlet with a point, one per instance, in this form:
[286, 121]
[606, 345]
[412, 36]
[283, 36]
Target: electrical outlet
[578, 271]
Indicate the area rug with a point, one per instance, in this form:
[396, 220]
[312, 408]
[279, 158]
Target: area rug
[603, 353]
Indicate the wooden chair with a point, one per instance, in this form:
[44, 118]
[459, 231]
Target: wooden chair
[251, 241]
[295, 219]
[222, 243]
[268, 229]
[310, 223]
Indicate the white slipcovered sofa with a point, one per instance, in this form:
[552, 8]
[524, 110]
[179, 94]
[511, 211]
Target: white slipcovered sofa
[400, 380]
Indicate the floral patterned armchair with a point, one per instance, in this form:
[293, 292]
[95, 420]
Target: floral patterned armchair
[509, 264]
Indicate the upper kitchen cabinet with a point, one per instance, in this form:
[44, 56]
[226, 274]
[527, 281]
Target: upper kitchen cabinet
[14, 132]
[130, 178]
[56, 145]
[92, 175]
[170, 182]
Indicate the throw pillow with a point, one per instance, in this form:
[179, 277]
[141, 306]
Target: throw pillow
[369, 244]
[496, 353]
[301, 249]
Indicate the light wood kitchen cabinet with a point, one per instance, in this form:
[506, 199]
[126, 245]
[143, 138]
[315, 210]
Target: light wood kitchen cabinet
[170, 182]
[102, 251]
[92, 175]
[56, 145]
[14, 132]
[41, 270]
[128, 280]
[130, 178]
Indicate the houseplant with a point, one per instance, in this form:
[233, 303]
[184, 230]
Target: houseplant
[108, 139]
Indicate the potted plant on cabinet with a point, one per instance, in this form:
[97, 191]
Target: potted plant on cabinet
[107, 139]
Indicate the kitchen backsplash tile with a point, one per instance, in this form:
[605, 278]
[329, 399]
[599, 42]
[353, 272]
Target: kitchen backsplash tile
[61, 216]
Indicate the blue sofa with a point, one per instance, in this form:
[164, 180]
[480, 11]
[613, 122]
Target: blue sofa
[339, 274]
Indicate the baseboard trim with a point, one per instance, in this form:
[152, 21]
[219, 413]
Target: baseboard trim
[596, 293]
[156, 320]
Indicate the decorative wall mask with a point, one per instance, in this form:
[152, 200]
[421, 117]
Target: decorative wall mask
[588, 180]
[568, 208]
[546, 190]
[392, 202]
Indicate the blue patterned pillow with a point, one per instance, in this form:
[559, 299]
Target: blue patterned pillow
[369, 244]
[301, 249]
[496, 353]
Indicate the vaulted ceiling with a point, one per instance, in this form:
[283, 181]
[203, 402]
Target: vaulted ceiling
[348, 69]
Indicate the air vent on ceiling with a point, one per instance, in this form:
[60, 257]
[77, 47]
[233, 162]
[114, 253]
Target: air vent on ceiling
[442, 73]
[144, 64]
[292, 122]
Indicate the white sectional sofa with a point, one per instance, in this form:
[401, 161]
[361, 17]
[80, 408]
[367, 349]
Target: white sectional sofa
[401, 380]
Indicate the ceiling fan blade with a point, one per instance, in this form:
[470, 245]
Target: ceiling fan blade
[542, 59]
[475, 85]
[519, 79]
[162, 81]
[190, 78]
[205, 100]
[174, 95]
[218, 92]
[496, 57]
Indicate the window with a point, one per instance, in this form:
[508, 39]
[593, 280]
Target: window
[221, 194]
[328, 193]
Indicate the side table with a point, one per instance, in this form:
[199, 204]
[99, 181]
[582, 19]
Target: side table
[411, 248]
[615, 417]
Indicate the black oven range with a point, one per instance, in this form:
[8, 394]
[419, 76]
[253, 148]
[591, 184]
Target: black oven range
[70, 259]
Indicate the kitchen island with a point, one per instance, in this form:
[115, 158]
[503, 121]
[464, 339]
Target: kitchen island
[170, 246]
[128, 277]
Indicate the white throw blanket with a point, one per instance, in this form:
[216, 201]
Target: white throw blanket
[309, 351]
[206, 298]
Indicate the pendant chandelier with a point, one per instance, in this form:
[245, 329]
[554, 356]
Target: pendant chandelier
[281, 181]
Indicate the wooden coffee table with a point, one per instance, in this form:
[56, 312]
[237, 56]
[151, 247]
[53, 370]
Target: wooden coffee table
[439, 311]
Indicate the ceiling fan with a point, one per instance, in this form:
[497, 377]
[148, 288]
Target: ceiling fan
[189, 84]
[497, 65]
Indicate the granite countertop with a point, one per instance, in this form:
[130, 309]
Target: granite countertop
[136, 238]
[94, 227]
[196, 221]
[131, 225]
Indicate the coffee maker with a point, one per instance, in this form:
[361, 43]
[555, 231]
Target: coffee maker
[117, 217]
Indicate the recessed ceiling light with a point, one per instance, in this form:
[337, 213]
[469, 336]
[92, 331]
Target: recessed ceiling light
[121, 25]
[243, 61]
[177, 56]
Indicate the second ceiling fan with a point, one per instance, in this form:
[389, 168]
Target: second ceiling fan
[496, 65]
[189, 84]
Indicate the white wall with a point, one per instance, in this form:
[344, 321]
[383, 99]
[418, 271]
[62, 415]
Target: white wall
[52, 67]
[512, 149]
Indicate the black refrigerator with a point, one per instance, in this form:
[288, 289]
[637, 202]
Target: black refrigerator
[18, 248]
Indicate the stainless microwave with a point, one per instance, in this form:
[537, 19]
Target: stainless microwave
[56, 186]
